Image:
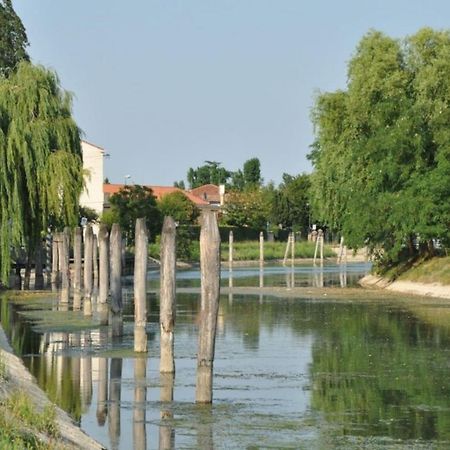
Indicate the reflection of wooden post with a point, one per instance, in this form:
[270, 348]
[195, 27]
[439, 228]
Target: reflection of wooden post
[55, 264]
[167, 295]
[261, 247]
[139, 407]
[64, 259]
[166, 431]
[77, 248]
[103, 243]
[86, 382]
[140, 279]
[95, 262]
[230, 248]
[210, 292]
[114, 400]
[102, 394]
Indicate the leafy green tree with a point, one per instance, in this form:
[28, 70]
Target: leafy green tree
[179, 185]
[40, 159]
[247, 209]
[133, 202]
[178, 206]
[13, 39]
[252, 173]
[290, 207]
[381, 153]
[210, 173]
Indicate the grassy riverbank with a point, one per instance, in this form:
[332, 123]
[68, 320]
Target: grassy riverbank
[249, 250]
[434, 270]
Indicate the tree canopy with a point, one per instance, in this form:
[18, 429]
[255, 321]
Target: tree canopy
[179, 207]
[382, 148]
[40, 159]
[133, 202]
[13, 39]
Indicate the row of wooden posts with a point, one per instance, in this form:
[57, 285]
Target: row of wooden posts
[105, 268]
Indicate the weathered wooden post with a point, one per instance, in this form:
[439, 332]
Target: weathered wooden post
[210, 292]
[88, 241]
[167, 295]
[292, 248]
[261, 247]
[103, 249]
[88, 247]
[286, 252]
[315, 251]
[116, 279]
[48, 258]
[38, 267]
[321, 239]
[140, 285]
[95, 262]
[55, 262]
[77, 257]
[230, 248]
[64, 245]
[341, 250]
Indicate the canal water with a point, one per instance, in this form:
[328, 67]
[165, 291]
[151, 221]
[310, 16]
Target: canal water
[317, 373]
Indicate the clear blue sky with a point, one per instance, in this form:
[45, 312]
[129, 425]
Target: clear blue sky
[165, 85]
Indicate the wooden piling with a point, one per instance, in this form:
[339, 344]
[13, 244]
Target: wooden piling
[230, 248]
[167, 295]
[140, 285]
[88, 246]
[38, 267]
[77, 256]
[210, 292]
[116, 269]
[95, 263]
[103, 244]
[64, 246]
[261, 247]
[55, 263]
[292, 248]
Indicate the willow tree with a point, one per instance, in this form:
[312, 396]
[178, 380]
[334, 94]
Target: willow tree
[382, 153]
[40, 159]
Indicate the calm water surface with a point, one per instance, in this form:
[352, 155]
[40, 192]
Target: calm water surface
[289, 373]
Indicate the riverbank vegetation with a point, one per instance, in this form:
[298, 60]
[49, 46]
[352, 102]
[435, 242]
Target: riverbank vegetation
[434, 270]
[249, 251]
[40, 155]
[382, 151]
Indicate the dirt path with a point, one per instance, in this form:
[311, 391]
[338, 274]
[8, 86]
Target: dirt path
[407, 287]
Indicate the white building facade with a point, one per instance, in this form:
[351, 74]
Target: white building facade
[92, 195]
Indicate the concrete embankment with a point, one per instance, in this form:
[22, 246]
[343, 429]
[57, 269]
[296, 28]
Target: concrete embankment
[407, 287]
[17, 378]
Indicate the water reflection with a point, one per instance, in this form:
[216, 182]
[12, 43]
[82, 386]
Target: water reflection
[166, 430]
[115, 389]
[139, 405]
[289, 373]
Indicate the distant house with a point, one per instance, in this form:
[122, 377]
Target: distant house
[209, 193]
[158, 191]
[92, 195]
